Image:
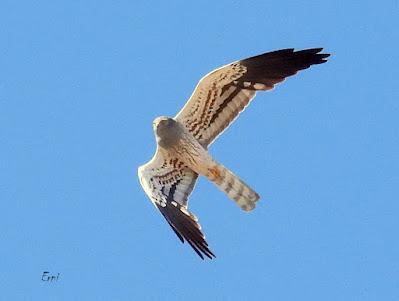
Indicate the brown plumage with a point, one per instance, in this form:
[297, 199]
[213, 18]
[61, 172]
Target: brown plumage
[182, 142]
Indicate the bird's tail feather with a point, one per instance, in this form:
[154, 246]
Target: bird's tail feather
[233, 186]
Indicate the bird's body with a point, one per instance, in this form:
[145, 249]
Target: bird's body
[182, 142]
[175, 141]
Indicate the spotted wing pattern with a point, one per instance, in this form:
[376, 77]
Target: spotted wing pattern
[222, 94]
[168, 183]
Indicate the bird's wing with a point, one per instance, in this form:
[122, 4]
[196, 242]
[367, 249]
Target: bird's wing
[168, 183]
[222, 94]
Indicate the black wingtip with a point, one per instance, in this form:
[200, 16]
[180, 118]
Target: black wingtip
[315, 53]
[186, 228]
[310, 50]
[272, 67]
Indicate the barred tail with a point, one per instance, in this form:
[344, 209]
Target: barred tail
[233, 186]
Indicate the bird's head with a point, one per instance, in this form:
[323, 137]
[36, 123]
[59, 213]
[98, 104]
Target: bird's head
[166, 129]
[162, 123]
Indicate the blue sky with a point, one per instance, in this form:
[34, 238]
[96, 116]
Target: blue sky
[81, 82]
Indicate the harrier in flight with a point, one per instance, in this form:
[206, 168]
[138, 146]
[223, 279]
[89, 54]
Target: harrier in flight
[183, 141]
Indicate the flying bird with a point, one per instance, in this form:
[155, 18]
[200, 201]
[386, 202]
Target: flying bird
[182, 141]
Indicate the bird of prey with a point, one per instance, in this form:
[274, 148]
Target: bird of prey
[182, 141]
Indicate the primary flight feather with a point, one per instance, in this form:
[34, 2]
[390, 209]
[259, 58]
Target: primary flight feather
[182, 142]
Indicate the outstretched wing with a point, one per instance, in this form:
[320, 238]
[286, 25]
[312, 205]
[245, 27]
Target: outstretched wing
[222, 94]
[168, 183]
